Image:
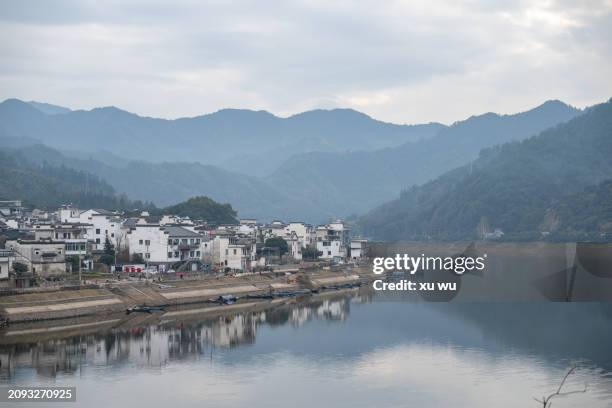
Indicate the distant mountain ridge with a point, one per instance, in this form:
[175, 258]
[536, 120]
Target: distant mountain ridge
[369, 178]
[48, 108]
[528, 189]
[214, 138]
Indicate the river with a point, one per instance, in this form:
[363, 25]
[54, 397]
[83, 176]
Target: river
[353, 349]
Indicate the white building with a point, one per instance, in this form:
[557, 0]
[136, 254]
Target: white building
[333, 241]
[164, 244]
[6, 263]
[359, 249]
[104, 224]
[230, 253]
[305, 233]
[295, 246]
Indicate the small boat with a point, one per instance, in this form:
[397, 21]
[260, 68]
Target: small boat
[227, 299]
[144, 309]
[289, 293]
[341, 286]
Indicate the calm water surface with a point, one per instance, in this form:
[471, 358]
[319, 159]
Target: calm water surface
[346, 350]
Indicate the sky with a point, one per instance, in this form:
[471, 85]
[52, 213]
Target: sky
[398, 61]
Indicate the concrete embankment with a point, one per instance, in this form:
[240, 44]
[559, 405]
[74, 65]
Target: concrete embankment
[118, 297]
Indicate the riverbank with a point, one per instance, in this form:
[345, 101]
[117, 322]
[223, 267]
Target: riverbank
[107, 298]
[37, 331]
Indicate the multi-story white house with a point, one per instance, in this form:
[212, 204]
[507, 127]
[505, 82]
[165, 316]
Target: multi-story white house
[333, 240]
[231, 252]
[167, 244]
[104, 224]
[101, 224]
[75, 237]
[305, 233]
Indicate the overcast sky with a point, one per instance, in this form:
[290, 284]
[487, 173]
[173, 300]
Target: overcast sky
[405, 62]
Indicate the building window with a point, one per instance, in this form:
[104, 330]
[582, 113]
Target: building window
[198, 241]
[140, 241]
[191, 241]
[147, 256]
[176, 254]
[198, 254]
[169, 254]
[184, 241]
[170, 242]
[97, 240]
[112, 235]
[98, 231]
[147, 242]
[191, 254]
[328, 252]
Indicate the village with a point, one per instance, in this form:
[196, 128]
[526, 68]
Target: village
[54, 248]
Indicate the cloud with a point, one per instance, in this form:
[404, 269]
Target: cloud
[414, 61]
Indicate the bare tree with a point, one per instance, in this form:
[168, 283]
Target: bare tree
[546, 401]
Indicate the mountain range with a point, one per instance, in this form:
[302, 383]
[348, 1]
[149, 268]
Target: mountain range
[311, 166]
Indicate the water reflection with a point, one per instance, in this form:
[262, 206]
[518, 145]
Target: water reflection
[154, 345]
[348, 349]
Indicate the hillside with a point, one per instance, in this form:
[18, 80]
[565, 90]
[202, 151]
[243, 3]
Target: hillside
[48, 186]
[166, 184]
[355, 182]
[512, 187]
[586, 215]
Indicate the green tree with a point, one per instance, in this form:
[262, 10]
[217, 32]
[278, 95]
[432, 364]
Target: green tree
[109, 249]
[203, 208]
[107, 259]
[19, 268]
[74, 262]
[279, 243]
[310, 252]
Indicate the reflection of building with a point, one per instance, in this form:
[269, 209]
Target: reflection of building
[155, 345]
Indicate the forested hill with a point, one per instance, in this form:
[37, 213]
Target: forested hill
[357, 181]
[586, 215]
[524, 188]
[203, 208]
[49, 186]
